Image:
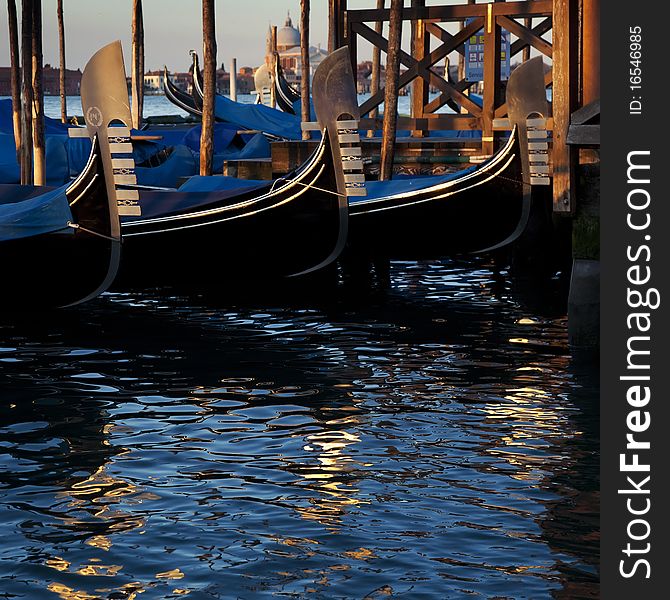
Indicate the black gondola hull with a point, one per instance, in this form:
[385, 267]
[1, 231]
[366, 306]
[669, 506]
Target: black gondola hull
[62, 268]
[264, 232]
[475, 212]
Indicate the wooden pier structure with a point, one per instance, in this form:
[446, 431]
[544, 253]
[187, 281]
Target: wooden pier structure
[573, 75]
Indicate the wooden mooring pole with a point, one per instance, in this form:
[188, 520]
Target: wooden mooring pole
[137, 75]
[273, 61]
[209, 81]
[26, 92]
[61, 54]
[376, 67]
[391, 91]
[420, 47]
[15, 75]
[304, 65]
[563, 101]
[39, 166]
[233, 79]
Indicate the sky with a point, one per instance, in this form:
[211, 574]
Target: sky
[173, 27]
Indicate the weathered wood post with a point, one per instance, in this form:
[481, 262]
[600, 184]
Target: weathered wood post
[233, 79]
[376, 60]
[137, 75]
[420, 47]
[525, 55]
[461, 57]
[273, 66]
[27, 92]
[391, 91]
[336, 38]
[332, 25]
[304, 65]
[491, 77]
[563, 101]
[39, 167]
[209, 81]
[15, 75]
[591, 51]
[61, 53]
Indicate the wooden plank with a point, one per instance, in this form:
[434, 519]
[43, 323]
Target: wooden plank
[583, 115]
[524, 34]
[535, 8]
[564, 38]
[539, 30]
[583, 135]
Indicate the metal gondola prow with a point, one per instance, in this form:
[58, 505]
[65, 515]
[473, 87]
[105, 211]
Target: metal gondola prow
[527, 105]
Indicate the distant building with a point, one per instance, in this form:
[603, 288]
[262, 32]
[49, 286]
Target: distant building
[288, 48]
[50, 81]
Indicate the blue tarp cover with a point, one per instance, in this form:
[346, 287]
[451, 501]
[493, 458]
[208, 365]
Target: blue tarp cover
[260, 117]
[45, 213]
[406, 184]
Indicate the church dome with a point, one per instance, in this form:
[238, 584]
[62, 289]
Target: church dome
[288, 36]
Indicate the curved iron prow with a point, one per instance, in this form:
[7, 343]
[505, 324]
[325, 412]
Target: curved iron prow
[198, 86]
[336, 107]
[285, 94]
[527, 103]
[104, 99]
[178, 97]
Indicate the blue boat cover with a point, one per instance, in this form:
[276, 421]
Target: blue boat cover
[220, 183]
[7, 125]
[406, 184]
[180, 163]
[258, 116]
[42, 214]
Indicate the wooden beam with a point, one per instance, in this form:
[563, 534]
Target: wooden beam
[539, 30]
[39, 165]
[583, 135]
[457, 12]
[304, 65]
[62, 68]
[590, 51]
[526, 35]
[391, 91]
[376, 68]
[583, 115]
[209, 81]
[420, 47]
[27, 92]
[15, 74]
[491, 78]
[564, 96]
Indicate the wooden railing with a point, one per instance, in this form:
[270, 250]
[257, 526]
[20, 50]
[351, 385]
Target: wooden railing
[491, 18]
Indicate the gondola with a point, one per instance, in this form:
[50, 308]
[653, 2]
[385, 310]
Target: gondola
[483, 208]
[216, 228]
[273, 123]
[58, 246]
[179, 98]
[285, 94]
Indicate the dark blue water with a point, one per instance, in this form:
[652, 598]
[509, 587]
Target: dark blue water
[434, 440]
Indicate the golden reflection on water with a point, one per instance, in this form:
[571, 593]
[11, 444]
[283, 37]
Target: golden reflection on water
[328, 474]
[532, 413]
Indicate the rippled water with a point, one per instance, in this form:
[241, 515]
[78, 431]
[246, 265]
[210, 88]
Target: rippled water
[432, 440]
